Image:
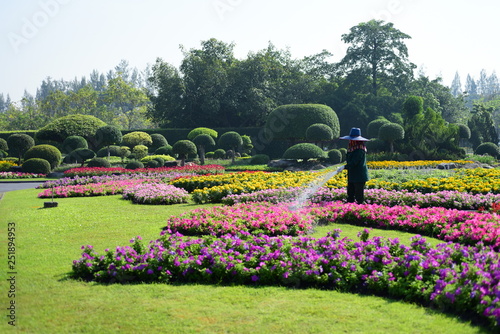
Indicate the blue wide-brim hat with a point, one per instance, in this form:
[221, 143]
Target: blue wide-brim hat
[355, 134]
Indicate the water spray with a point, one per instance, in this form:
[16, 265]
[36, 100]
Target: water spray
[312, 188]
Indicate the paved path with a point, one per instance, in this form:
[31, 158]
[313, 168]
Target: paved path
[19, 185]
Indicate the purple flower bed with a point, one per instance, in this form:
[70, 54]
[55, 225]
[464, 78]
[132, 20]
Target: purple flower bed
[156, 193]
[462, 279]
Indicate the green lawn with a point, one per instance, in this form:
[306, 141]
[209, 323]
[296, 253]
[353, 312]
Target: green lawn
[48, 240]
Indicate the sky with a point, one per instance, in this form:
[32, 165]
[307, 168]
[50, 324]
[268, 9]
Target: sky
[64, 39]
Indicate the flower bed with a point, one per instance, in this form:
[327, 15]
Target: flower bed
[96, 171]
[91, 189]
[445, 199]
[17, 175]
[453, 277]
[240, 219]
[446, 224]
[155, 193]
[413, 164]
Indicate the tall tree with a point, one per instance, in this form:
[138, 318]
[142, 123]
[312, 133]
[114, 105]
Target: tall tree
[377, 50]
[456, 86]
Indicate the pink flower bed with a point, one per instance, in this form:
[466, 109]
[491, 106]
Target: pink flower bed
[91, 189]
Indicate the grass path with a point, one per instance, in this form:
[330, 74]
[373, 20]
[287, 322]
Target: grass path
[48, 240]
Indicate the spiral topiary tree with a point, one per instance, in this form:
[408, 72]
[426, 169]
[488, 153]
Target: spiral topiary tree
[390, 132]
[231, 140]
[304, 151]
[19, 144]
[203, 142]
[291, 121]
[183, 148]
[47, 152]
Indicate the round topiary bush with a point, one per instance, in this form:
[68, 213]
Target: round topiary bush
[36, 166]
[71, 143]
[201, 130]
[259, 159]
[135, 138]
[335, 156]
[161, 161]
[3, 145]
[374, 126]
[491, 149]
[107, 135]
[319, 132]
[72, 125]
[158, 140]
[19, 143]
[219, 153]
[209, 155]
[114, 151]
[134, 165]
[164, 150]
[343, 151]
[152, 164]
[47, 152]
[79, 155]
[140, 151]
[291, 121]
[99, 162]
[463, 131]
[304, 151]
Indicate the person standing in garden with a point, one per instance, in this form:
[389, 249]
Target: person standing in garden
[357, 172]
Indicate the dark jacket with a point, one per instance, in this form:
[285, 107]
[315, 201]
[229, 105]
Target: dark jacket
[356, 166]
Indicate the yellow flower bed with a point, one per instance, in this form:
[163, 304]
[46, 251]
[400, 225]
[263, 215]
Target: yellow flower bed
[6, 165]
[212, 188]
[412, 164]
[476, 181]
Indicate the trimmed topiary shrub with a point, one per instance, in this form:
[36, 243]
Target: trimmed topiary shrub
[183, 148]
[304, 151]
[114, 151]
[80, 155]
[491, 149]
[71, 125]
[219, 153]
[19, 144]
[71, 143]
[161, 161]
[391, 132]
[209, 155]
[3, 154]
[335, 156]
[135, 138]
[259, 159]
[463, 131]
[343, 151]
[106, 136]
[231, 140]
[140, 151]
[47, 152]
[152, 164]
[164, 150]
[374, 126]
[199, 131]
[36, 166]
[319, 132]
[291, 121]
[134, 165]
[99, 162]
[203, 142]
[163, 157]
[3, 145]
[158, 141]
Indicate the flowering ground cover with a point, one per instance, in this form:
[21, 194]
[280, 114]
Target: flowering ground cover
[445, 199]
[453, 277]
[253, 218]
[91, 189]
[155, 193]
[413, 164]
[94, 171]
[18, 175]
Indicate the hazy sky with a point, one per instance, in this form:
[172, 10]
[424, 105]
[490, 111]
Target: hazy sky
[67, 38]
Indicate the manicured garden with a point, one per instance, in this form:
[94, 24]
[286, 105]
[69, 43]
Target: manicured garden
[235, 252]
